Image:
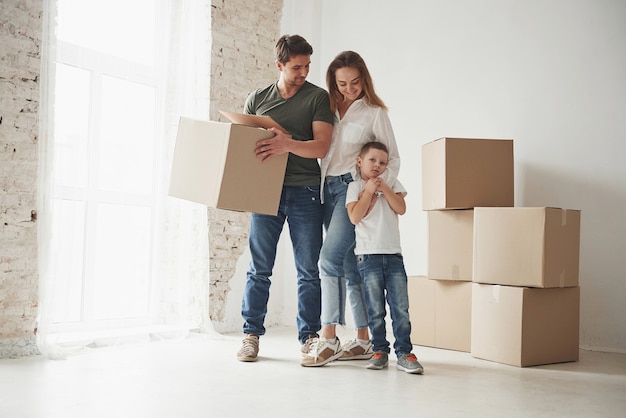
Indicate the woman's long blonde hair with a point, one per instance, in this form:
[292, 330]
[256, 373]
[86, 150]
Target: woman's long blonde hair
[351, 59]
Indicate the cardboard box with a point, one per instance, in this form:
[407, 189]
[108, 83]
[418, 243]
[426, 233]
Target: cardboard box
[440, 313]
[524, 246]
[450, 244]
[215, 164]
[463, 173]
[524, 326]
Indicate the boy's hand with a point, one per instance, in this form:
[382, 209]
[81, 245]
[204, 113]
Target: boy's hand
[372, 185]
[384, 187]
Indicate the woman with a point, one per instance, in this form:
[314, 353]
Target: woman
[360, 117]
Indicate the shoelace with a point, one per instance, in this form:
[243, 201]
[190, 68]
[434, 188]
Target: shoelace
[250, 345]
[347, 347]
[313, 347]
[354, 343]
[315, 344]
[411, 357]
[378, 355]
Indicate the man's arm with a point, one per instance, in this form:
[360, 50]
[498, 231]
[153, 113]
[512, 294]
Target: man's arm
[282, 143]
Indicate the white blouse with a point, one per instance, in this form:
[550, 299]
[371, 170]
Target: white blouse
[362, 123]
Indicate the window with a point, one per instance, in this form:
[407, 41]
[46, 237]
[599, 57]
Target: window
[106, 146]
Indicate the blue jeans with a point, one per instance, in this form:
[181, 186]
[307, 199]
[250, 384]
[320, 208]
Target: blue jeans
[380, 273]
[339, 273]
[301, 208]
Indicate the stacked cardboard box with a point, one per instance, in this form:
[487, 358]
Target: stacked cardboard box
[525, 298]
[519, 265]
[458, 174]
[440, 312]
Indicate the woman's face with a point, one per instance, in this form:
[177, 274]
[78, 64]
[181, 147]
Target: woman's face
[349, 83]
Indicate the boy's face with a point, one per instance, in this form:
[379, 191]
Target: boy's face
[373, 163]
[295, 71]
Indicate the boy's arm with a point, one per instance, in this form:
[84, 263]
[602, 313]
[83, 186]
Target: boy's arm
[357, 210]
[396, 200]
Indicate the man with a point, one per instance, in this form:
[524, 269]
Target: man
[303, 110]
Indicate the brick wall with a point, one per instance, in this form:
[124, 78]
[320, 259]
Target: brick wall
[20, 42]
[242, 59]
[243, 35]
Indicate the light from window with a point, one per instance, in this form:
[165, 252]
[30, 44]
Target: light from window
[106, 144]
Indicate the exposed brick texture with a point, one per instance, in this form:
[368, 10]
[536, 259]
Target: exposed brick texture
[20, 43]
[242, 59]
[243, 35]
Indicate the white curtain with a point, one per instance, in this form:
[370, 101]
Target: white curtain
[183, 262]
[181, 236]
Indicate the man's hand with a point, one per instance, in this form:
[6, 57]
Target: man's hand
[278, 144]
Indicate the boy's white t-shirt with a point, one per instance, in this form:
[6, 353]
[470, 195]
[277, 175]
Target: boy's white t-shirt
[379, 231]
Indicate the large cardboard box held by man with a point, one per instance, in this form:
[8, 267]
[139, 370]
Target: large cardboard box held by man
[526, 246]
[215, 164]
[523, 326]
[450, 244]
[440, 312]
[463, 173]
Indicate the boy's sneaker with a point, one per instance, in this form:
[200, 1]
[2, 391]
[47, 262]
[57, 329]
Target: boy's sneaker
[321, 351]
[306, 347]
[409, 364]
[379, 361]
[249, 349]
[355, 350]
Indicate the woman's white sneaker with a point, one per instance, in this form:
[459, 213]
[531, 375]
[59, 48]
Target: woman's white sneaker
[356, 350]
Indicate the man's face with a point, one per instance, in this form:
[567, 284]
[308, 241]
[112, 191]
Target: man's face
[295, 71]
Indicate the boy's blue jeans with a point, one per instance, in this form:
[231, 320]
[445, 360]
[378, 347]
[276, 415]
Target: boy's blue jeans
[339, 274]
[385, 273]
[300, 206]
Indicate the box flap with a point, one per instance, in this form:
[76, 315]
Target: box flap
[198, 160]
[256, 121]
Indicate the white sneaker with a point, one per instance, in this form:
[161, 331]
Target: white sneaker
[321, 351]
[354, 350]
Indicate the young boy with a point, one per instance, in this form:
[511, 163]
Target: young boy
[373, 207]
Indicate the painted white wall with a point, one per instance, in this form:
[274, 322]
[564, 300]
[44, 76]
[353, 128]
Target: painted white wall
[549, 74]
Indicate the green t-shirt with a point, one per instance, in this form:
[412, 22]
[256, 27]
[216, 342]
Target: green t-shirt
[296, 114]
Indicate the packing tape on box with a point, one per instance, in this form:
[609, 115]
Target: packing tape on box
[495, 292]
[456, 272]
[563, 217]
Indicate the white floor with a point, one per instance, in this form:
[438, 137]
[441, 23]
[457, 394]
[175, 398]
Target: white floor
[200, 377]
